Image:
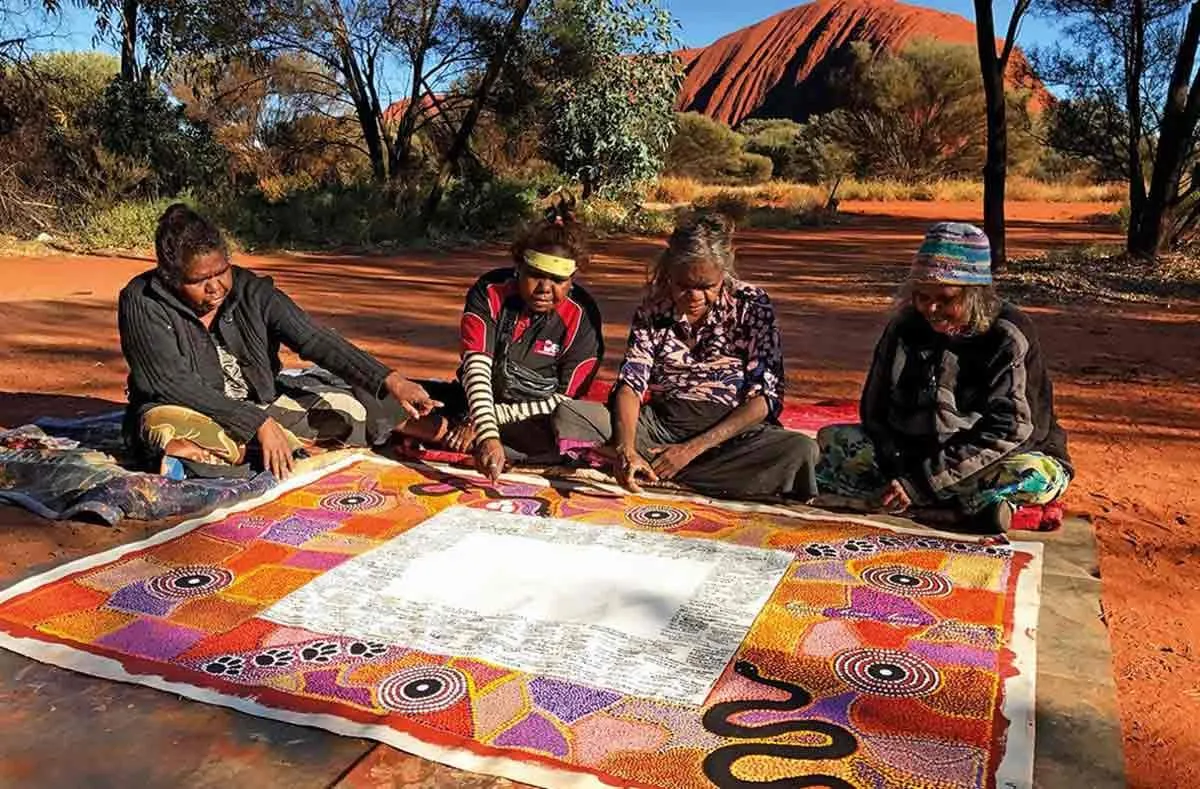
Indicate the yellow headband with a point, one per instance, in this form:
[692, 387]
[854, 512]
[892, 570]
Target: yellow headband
[550, 264]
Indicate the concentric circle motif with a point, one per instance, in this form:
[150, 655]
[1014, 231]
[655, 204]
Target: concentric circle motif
[354, 501]
[422, 689]
[657, 516]
[184, 582]
[908, 581]
[886, 672]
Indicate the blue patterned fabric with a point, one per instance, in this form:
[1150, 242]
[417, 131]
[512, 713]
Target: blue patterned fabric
[954, 253]
[72, 469]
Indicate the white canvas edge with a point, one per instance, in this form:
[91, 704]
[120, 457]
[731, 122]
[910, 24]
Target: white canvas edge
[1015, 770]
[73, 659]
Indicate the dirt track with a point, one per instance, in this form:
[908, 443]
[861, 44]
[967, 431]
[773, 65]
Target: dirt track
[1127, 380]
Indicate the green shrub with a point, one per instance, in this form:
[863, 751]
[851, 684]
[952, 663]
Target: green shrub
[127, 225]
[485, 209]
[780, 140]
[610, 217]
[331, 216]
[368, 215]
[139, 122]
[703, 148]
[709, 151]
[752, 168]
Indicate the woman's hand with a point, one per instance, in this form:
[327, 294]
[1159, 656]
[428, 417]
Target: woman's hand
[411, 396]
[276, 450]
[489, 458]
[895, 498]
[670, 459]
[630, 464]
[461, 436]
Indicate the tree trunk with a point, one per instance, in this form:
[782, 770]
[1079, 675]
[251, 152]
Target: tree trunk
[1135, 69]
[129, 31]
[463, 138]
[407, 129]
[368, 119]
[995, 170]
[1175, 138]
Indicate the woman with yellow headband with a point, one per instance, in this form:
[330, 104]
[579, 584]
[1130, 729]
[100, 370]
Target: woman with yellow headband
[531, 339]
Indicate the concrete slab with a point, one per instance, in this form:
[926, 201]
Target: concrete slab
[63, 730]
[1072, 638]
[1070, 551]
[1078, 736]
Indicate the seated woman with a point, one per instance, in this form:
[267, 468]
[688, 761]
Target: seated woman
[531, 339]
[958, 408]
[704, 354]
[201, 338]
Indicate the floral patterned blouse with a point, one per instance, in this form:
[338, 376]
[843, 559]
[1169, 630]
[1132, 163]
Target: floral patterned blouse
[733, 354]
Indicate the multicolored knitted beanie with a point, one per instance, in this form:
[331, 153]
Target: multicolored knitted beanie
[953, 253]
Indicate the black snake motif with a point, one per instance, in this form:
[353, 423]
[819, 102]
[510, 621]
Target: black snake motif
[718, 766]
[461, 485]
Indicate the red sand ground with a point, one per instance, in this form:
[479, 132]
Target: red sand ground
[1126, 383]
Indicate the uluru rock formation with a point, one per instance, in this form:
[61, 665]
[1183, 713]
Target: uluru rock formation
[780, 67]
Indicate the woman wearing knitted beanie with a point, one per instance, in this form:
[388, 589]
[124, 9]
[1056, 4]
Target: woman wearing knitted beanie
[958, 409]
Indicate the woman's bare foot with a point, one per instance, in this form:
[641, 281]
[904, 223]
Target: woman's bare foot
[188, 450]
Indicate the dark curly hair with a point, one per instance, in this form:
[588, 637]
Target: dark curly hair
[182, 235]
[557, 233]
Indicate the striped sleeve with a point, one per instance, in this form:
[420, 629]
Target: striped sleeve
[481, 401]
[507, 413]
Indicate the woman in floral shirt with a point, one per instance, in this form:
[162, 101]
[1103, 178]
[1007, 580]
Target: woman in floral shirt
[700, 390]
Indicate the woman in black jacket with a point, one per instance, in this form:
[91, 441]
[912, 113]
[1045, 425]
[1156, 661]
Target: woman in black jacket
[201, 338]
[958, 409]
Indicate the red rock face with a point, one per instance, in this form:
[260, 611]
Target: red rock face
[780, 67]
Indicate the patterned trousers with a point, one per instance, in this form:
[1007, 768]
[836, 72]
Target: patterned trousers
[848, 468]
[308, 408]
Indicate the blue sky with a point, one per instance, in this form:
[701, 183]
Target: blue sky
[701, 21]
[704, 21]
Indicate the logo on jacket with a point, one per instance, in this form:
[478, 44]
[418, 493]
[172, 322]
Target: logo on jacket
[546, 348]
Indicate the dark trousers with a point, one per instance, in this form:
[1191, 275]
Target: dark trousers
[764, 461]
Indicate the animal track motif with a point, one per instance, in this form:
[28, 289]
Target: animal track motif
[821, 551]
[274, 658]
[225, 666]
[366, 649]
[320, 652]
[859, 546]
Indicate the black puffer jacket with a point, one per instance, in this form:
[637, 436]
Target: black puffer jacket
[173, 360]
[942, 409]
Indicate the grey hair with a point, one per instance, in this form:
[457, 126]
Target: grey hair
[980, 303]
[706, 237]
